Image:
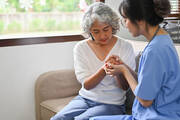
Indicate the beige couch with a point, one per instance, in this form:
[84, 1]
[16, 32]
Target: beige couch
[55, 89]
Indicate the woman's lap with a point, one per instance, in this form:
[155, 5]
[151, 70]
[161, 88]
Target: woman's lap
[82, 109]
[74, 108]
[113, 117]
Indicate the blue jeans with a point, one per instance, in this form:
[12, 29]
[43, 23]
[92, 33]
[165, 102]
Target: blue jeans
[82, 109]
[113, 117]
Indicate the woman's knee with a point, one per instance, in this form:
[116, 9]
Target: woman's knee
[80, 117]
[94, 118]
[59, 117]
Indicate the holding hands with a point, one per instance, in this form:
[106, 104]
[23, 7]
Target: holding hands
[114, 65]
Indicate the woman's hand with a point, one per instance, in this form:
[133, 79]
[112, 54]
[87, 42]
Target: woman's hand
[115, 60]
[117, 72]
[111, 65]
[115, 69]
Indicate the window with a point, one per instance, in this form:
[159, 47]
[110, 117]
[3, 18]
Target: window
[172, 22]
[19, 17]
[175, 8]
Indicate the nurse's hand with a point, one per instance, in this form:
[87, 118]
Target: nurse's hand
[115, 69]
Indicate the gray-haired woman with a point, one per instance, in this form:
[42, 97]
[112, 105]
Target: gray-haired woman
[100, 94]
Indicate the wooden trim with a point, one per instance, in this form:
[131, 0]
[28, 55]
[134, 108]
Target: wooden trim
[175, 15]
[102, 1]
[172, 18]
[39, 40]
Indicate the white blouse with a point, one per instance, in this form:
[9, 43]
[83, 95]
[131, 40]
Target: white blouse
[86, 63]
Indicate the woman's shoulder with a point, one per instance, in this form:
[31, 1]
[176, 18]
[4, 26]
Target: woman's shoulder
[81, 45]
[157, 44]
[82, 42]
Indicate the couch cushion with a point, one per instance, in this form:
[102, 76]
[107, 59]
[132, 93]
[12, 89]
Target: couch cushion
[50, 107]
[46, 114]
[56, 105]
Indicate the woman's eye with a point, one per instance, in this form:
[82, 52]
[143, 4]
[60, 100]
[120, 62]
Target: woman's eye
[106, 29]
[96, 32]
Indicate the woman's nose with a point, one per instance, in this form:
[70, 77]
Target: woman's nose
[102, 35]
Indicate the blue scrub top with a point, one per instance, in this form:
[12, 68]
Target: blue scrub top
[158, 80]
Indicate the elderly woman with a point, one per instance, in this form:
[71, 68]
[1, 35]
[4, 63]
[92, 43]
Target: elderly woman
[100, 94]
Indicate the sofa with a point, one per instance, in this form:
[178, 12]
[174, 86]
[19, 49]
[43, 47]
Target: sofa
[55, 89]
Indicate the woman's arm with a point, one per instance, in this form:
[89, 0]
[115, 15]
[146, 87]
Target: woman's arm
[87, 78]
[122, 82]
[133, 83]
[133, 73]
[131, 78]
[94, 79]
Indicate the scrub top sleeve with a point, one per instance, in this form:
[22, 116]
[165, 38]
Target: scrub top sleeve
[150, 76]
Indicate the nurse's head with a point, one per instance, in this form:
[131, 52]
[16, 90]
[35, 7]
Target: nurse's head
[152, 12]
[100, 22]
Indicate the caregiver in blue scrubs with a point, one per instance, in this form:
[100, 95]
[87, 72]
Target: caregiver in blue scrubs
[157, 85]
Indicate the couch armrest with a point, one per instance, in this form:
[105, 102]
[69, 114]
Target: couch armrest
[55, 84]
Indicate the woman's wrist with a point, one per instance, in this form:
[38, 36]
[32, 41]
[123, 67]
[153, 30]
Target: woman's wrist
[126, 71]
[102, 71]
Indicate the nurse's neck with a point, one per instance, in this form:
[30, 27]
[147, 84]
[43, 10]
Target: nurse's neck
[151, 32]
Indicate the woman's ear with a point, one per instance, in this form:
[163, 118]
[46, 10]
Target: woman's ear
[142, 24]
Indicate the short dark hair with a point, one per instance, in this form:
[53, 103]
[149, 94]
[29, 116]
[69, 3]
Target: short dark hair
[151, 11]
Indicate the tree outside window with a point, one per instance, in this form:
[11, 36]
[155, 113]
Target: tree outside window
[40, 16]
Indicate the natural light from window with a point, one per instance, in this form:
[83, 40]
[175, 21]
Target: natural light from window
[21, 17]
[174, 6]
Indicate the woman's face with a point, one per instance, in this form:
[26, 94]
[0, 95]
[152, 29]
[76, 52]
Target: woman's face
[101, 32]
[133, 28]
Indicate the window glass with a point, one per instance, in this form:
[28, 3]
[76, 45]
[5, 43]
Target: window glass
[175, 6]
[19, 17]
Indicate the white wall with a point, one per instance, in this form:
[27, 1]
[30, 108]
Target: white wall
[140, 45]
[19, 68]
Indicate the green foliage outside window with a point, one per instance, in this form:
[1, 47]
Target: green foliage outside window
[14, 25]
[49, 6]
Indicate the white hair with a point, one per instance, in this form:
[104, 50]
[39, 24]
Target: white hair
[101, 12]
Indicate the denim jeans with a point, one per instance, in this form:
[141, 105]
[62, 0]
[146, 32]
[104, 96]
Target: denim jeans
[82, 109]
[113, 117]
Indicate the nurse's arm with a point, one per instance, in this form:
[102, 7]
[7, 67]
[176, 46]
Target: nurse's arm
[145, 103]
[131, 79]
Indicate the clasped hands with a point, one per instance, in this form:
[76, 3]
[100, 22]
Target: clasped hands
[114, 65]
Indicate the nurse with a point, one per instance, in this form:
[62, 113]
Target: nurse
[158, 80]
